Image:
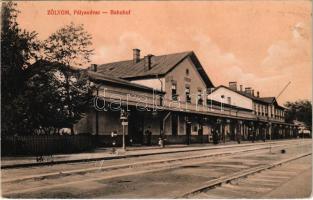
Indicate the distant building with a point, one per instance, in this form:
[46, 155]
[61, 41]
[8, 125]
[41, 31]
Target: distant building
[303, 130]
[265, 109]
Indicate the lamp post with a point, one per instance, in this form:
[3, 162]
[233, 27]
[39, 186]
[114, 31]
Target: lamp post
[123, 117]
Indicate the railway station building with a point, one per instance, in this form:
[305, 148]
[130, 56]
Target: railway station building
[172, 97]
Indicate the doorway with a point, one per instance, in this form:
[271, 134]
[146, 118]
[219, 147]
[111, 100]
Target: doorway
[136, 128]
[188, 132]
[174, 124]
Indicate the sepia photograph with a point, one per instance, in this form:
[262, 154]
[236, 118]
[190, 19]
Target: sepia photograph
[178, 99]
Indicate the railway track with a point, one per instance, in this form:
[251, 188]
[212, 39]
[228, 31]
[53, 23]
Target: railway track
[100, 168]
[236, 176]
[65, 178]
[117, 157]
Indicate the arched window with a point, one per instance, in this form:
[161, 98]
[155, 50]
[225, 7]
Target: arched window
[187, 72]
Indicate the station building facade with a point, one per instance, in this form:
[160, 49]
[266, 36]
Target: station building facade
[172, 97]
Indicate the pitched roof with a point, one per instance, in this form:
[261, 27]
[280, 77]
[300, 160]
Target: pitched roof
[223, 86]
[267, 100]
[272, 100]
[240, 93]
[114, 80]
[255, 98]
[161, 65]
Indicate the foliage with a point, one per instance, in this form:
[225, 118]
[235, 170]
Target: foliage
[42, 91]
[300, 110]
[71, 47]
[45, 86]
[18, 49]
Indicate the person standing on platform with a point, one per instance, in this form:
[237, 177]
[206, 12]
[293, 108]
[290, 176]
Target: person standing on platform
[148, 134]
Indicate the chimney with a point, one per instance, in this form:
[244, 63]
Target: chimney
[258, 94]
[248, 90]
[136, 55]
[252, 92]
[233, 85]
[240, 88]
[148, 62]
[93, 67]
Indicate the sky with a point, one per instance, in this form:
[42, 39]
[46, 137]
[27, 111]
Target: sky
[259, 44]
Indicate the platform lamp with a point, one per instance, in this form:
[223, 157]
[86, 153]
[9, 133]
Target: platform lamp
[124, 121]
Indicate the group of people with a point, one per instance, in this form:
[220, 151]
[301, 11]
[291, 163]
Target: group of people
[217, 136]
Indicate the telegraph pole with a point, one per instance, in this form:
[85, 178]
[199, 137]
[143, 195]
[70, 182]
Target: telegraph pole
[270, 123]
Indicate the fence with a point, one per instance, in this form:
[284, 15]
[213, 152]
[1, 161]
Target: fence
[46, 144]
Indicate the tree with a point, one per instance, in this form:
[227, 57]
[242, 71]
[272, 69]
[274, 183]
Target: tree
[41, 93]
[18, 49]
[300, 110]
[47, 108]
[71, 47]
[43, 97]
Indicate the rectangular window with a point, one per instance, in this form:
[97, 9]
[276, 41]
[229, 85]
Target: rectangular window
[187, 92]
[262, 110]
[174, 92]
[200, 100]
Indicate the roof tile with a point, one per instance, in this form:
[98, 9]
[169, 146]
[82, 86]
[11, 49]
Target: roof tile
[128, 69]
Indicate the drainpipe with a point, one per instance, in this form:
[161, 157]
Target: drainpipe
[161, 99]
[160, 82]
[162, 121]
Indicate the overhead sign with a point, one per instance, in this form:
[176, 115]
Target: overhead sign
[123, 115]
